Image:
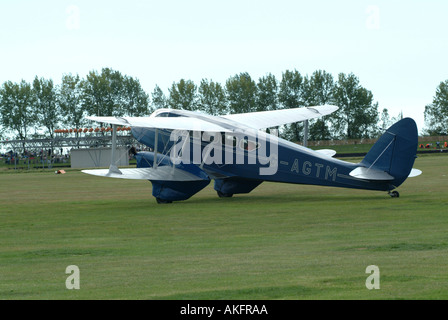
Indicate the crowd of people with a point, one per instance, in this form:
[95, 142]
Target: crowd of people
[438, 145]
[46, 157]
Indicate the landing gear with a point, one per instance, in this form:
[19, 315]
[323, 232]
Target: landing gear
[394, 194]
[161, 201]
[224, 195]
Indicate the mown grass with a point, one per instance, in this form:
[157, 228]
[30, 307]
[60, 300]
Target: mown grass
[279, 242]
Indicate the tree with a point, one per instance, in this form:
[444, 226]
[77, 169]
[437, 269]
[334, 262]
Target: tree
[241, 93]
[70, 98]
[103, 93]
[385, 119]
[109, 93]
[436, 113]
[357, 116]
[158, 98]
[267, 95]
[46, 107]
[319, 130]
[292, 94]
[16, 108]
[292, 90]
[183, 95]
[135, 100]
[319, 90]
[212, 98]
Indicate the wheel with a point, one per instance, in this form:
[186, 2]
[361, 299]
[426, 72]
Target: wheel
[394, 194]
[161, 201]
[224, 195]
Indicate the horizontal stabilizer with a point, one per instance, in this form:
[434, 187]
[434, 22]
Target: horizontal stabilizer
[164, 173]
[370, 174]
[327, 152]
[415, 173]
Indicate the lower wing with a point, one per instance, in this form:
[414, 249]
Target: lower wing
[164, 173]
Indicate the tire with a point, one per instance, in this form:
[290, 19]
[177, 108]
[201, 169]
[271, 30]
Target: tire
[224, 195]
[162, 201]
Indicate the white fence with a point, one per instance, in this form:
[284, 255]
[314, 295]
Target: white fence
[98, 157]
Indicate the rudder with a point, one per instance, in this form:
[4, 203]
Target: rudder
[395, 151]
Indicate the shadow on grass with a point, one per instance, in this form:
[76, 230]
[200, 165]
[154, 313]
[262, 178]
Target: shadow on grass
[286, 198]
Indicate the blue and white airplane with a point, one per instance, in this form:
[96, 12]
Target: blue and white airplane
[192, 148]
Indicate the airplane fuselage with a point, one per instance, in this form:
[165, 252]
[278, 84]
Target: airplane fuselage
[293, 163]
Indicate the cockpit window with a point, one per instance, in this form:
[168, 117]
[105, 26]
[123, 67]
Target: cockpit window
[168, 115]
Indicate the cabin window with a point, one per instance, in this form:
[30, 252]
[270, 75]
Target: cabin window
[249, 145]
[230, 140]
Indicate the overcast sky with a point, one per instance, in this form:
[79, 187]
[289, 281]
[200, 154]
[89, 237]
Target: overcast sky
[398, 49]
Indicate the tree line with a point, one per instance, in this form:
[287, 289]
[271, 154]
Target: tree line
[43, 106]
[37, 108]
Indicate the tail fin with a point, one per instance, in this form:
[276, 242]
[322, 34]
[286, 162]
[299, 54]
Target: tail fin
[394, 153]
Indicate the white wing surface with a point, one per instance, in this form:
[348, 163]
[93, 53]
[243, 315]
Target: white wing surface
[415, 173]
[373, 174]
[327, 152]
[370, 174]
[165, 173]
[173, 123]
[274, 118]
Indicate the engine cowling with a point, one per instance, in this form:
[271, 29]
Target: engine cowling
[169, 191]
[230, 186]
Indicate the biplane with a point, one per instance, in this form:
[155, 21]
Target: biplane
[240, 151]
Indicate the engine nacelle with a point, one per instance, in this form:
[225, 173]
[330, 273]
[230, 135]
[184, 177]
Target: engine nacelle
[230, 186]
[168, 191]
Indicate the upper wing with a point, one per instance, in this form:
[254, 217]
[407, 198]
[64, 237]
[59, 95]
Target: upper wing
[173, 123]
[192, 121]
[274, 118]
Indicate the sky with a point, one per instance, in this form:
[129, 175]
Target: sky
[397, 49]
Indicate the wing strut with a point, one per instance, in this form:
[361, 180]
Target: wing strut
[156, 140]
[113, 168]
[305, 135]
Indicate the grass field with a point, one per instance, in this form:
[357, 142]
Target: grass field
[278, 242]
